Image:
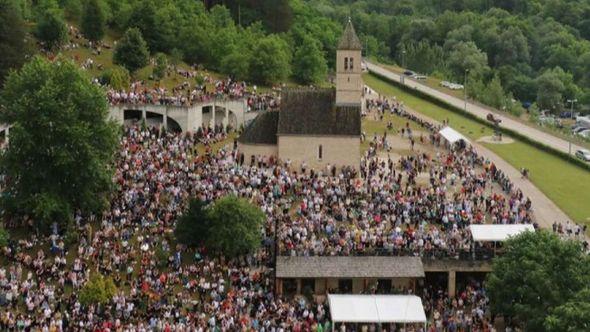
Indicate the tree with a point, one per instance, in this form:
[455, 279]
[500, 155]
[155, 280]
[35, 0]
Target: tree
[466, 56]
[98, 290]
[537, 273]
[271, 61]
[550, 90]
[52, 29]
[117, 78]
[309, 64]
[235, 226]
[62, 146]
[572, 316]
[160, 66]
[237, 64]
[192, 228]
[93, 21]
[131, 51]
[12, 39]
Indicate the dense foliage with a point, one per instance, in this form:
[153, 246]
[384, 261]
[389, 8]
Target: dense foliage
[131, 52]
[235, 226]
[61, 149]
[12, 38]
[231, 225]
[541, 282]
[98, 290]
[533, 51]
[192, 228]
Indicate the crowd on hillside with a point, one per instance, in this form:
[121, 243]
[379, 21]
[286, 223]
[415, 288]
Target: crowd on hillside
[185, 95]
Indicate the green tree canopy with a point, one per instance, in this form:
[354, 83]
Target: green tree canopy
[572, 316]
[271, 61]
[537, 273]
[61, 144]
[309, 64]
[192, 228]
[98, 290]
[466, 56]
[117, 78]
[93, 21]
[131, 51]
[51, 29]
[235, 226]
[12, 39]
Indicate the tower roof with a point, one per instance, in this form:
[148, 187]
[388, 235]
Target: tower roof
[349, 39]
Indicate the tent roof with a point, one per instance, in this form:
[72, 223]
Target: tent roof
[452, 135]
[498, 232]
[376, 308]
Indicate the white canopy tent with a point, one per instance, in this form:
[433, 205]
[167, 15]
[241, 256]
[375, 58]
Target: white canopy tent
[376, 309]
[452, 136]
[498, 232]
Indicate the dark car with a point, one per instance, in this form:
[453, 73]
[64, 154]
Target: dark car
[493, 119]
[409, 73]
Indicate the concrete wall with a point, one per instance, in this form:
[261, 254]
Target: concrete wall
[336, 150]
[190, 118]
[250, 150]
[349, 83]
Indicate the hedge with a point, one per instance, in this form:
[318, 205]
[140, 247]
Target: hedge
[515, 134]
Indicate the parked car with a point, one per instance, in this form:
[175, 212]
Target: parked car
[452, 86]
[490, 117]
[583, 154]
[409, 73]
[584, 133]
[419, 77]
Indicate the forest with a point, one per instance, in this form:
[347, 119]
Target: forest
[514, 52]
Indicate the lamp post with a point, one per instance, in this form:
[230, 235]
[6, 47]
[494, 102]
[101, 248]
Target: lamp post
[465, 88]
[571, 101]
[403, 76]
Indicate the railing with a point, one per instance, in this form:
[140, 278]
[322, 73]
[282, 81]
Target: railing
[479, 254]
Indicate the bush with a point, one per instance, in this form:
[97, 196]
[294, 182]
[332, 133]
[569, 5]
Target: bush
[98, 290]
[117, 78]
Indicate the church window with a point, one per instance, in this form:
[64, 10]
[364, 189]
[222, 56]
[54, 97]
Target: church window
[320, 152]
[345, 63]
[351, 62]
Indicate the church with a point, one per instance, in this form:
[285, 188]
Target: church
[315, 127]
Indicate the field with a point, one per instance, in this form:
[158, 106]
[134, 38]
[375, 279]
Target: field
[565, 184]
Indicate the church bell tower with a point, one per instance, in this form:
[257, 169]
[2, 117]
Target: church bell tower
[349, 83]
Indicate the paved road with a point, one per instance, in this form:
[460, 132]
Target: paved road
[481, 112]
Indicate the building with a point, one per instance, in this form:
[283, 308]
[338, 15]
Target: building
[315, 127]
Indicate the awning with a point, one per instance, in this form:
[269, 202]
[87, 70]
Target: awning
[451, 135]
[349, 267]
[498, 232]
[376, 308]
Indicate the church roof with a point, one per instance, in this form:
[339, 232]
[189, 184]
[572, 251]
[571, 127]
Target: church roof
[349, 39]
[262, 130]
[313, 112]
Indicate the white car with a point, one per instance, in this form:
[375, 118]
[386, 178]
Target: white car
[583, 154]
[419, 77]
[584, 133]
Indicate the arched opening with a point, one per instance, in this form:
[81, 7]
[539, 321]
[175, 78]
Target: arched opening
[132, 115]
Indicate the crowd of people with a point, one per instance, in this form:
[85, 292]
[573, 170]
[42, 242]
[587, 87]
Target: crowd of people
[420, 205]
[186, 94]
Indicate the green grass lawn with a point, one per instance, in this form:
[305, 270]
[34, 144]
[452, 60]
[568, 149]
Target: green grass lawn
[564, 183]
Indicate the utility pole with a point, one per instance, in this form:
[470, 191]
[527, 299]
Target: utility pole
[465, 88]
[403, 75]
[572, 101]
